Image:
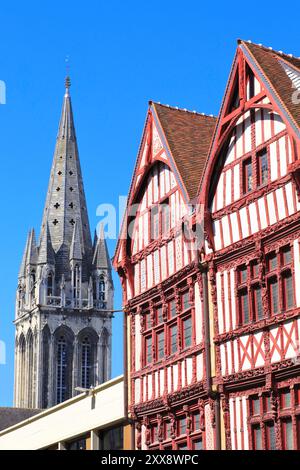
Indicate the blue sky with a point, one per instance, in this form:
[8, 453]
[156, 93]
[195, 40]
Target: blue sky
[121, 55]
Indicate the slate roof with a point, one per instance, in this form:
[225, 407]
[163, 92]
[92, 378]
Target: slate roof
[270, 63]
[11, 416]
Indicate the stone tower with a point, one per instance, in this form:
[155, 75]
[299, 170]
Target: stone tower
[64, 298]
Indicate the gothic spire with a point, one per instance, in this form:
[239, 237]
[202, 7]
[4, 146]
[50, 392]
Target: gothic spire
[101, 259]
[76, 249]
[22, 271]
[65, 203]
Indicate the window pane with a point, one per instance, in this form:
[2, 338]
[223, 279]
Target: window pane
[272, 261]
[270, 436]
[185, 301]
[197, 445]
[247, 176]
[182, 425]
[187, 332]
[258, 303]
[263, 167]
[161, 345]
[173, 339]
[196, 421]
[287, 434]
[286, 255]
[273, 288]
[172, 309]
[255, 270]
[285, 399]
[182, 447]
[288, 291]
[149, 350]
[255, 406]
[154, 223]
[257, 438]
[159, 315]
[147, 320]
[165, 209]
[243, 274]
[244, 307]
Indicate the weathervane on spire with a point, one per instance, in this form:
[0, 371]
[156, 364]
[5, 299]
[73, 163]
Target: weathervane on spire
[67, 79]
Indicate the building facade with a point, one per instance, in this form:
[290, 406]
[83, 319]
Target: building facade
[208, 258]
[65, 290]
[95, 420]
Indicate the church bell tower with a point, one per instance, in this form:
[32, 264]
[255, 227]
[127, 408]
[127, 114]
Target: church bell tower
[64, 298]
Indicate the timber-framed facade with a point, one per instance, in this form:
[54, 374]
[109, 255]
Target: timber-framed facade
[213, 321]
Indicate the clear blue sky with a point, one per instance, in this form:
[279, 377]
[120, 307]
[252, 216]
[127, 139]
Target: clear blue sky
[122, 54]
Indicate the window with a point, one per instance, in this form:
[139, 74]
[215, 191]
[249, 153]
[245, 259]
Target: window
[287, 435]
[270, 436]
[285, 398]
[185, 301]
[255, 406]
[149, 350]
[187, 332]
[244, 307]
[165, 217]
[288, 293]
[160, 345]
[196, 421]
[257, 299]
[262, 423]
[273, 295]
[154, 223]
[86, 363]
[61, 366]
[172, 309]
[182, 425]
[76, 282]
[249, 293]
[247, 176]
[197, 444]
[159, 315]
[280, 280]
[262, 167]
[257, 437]
[50, 285]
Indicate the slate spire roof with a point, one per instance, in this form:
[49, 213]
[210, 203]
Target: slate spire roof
[65, 202]
[101, 259]
[30, 253]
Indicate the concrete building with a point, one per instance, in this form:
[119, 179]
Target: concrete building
[90, 421]
[65, 290]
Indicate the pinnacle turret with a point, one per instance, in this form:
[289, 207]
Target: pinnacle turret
[101, 259]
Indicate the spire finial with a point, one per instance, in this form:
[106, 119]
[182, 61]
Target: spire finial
[67, 79]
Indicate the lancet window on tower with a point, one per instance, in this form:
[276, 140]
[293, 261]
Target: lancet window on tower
[86, 363]
[61, 369]
[50, 284]
[76, 282]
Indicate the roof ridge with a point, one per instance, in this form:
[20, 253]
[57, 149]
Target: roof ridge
[269, 49]
[185, 110]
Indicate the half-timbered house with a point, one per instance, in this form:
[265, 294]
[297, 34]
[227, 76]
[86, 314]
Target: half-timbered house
[209, 261]
[251, 204]
[158, 267]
